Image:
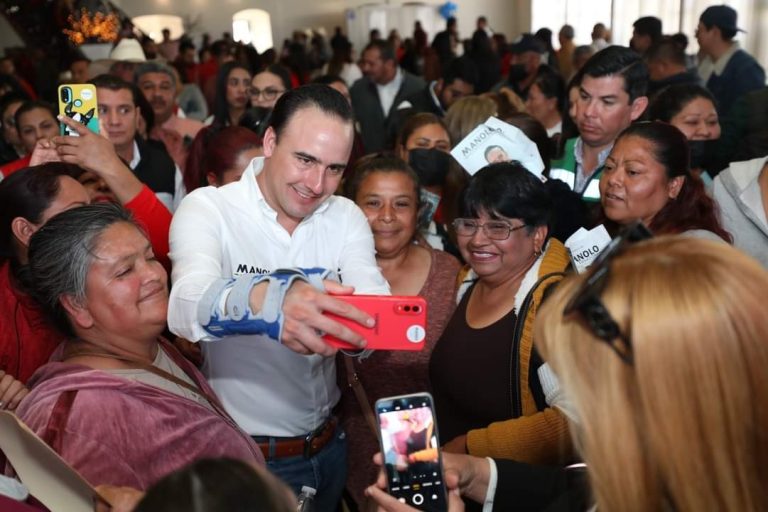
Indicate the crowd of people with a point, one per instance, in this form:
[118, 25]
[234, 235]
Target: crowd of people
[166, 283]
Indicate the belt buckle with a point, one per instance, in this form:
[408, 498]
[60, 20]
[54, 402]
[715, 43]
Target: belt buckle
[308, 444]
[314, 435]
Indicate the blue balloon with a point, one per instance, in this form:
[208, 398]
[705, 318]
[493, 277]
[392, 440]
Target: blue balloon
[448, 10]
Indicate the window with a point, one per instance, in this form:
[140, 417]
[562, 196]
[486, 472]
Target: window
[676, 16]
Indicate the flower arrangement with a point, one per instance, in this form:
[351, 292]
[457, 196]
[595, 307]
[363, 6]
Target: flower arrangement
[88, 28]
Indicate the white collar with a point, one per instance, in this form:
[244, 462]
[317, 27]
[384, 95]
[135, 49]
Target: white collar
[718, 66]
[136, 156]
[395, 82]
[434, 96]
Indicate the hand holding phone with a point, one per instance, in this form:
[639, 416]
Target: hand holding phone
[409, 446]
[401, 322]
[78, 102]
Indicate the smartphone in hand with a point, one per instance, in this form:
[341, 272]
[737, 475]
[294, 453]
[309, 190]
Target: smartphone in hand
[401, 322]
[78, 102]
[410, 449]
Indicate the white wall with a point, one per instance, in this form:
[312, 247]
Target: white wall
[215, 16]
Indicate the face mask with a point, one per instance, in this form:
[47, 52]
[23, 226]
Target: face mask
[517, 72]
[431, 165]
[701, 153]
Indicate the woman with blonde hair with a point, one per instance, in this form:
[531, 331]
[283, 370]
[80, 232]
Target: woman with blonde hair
[466, 114]
[661, 349]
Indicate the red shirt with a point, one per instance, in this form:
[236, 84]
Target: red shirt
[17, 165]
[27, 339]
[156, 220]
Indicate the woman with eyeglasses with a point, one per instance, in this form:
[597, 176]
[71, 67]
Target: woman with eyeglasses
[483, 370]
[666, 419]
[647, 178]
[268, 85]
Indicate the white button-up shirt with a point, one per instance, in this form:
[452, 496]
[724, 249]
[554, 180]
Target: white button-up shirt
[388, 92]
[223, 232]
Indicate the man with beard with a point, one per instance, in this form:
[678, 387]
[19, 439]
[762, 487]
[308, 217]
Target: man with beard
[158, 83]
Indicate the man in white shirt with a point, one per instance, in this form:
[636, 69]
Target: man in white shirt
[273, 372]
[600, 36]
[375, 97]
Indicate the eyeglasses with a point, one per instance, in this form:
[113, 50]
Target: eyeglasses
[586, 300]
[269, 93]
[493, 229]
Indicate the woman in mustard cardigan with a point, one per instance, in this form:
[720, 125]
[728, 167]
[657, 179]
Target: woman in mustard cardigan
[483, 371]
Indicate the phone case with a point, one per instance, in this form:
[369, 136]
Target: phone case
[409, 444]
[401, 322]
[78, 102]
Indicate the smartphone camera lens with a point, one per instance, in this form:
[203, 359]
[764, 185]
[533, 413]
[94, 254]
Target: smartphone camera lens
[416, 309]
[407, 308]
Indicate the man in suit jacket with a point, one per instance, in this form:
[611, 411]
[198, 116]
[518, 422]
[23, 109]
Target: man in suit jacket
[375, 96]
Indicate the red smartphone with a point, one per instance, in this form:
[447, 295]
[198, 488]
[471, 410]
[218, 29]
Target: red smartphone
[401, 322]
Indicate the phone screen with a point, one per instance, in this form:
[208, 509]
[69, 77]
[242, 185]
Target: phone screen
[409, 445]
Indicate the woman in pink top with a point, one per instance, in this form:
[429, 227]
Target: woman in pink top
[120, 405]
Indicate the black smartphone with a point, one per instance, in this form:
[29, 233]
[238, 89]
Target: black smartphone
[410, 447]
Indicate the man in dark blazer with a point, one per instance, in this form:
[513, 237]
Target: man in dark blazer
[375, 96]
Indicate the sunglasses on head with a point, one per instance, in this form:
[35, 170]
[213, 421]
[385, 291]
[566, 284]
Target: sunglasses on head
[586, 300]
